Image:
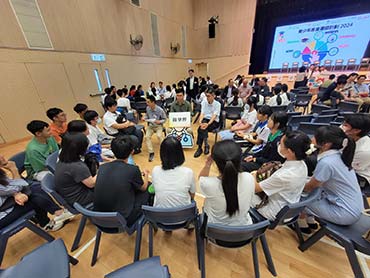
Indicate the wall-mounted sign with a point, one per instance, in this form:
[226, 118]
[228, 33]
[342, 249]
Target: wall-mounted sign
[96, 57]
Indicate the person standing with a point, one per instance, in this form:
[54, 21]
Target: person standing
[192, 86]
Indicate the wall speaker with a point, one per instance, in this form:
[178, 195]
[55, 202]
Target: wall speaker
[212, 31]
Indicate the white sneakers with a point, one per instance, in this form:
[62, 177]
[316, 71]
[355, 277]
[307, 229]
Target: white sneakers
[66, 215]
[53, 226]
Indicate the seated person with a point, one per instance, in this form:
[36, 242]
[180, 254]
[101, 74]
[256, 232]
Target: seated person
[334, 90]
[235, 100]
[173, 183]
[277, 125]
[114, 128]
[285, 185]
[361, 91]
[284, 91]
[341, 202]
[73, 179]
[260, 98]
[38, 150]
[263, 88]
[155, 116]
[228, 195]
[181, 105]
[228, 90]
[208, 120]
[58, 126]
[328, 82]
[78, 126]
[357, 127]
[169, 93]
[96, 135]
[26, 198]
[278, 98]
[119, 185]
[80, 109]
[259, 136]
[245, 90]
[246, 123]
[123, 101]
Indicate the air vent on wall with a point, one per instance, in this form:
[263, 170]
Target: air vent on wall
[31, 23]
[135, 2]
[153, 19]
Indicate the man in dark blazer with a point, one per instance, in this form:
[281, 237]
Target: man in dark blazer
[228, 90]
[192, 86]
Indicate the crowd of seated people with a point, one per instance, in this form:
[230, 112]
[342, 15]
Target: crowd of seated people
[96, 166]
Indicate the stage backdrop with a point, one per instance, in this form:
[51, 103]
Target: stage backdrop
[338, 38]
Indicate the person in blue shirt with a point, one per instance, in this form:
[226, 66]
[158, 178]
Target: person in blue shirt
[341, 200]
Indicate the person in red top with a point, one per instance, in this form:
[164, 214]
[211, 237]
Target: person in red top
[58, 126]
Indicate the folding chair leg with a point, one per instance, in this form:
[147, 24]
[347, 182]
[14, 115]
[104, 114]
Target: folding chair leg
[366, 203]
[255, 260]
[198, 240]
[78, 236]
[150, 240]
[356, 268]
[202, 250]
[3, 243]
[268, 257]
[39, 231]
[139, 232]
[72, 260]
[313, 239]
[298, 232]
[96, 247]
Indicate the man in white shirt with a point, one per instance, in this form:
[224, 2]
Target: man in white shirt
[115, 127]
[161, 89]
[208, 120]
[357, 127]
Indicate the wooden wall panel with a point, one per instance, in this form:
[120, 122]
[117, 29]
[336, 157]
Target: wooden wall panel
[19, 100]
[10, 32]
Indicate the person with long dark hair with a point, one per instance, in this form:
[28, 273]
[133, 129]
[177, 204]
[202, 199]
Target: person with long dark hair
[279, 98]
[173, 183]
[73, 179]
[228, 195]
[285, 186]
[277, 125]
[341, 202]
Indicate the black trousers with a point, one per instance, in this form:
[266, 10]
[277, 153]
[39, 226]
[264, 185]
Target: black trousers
[141, 198]
[203, 133]
[38, 201]
[249, 166]
[136, 137]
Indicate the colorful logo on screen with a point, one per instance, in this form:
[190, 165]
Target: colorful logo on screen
[316, 50]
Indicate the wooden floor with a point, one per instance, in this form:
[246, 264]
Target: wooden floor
[177, 250]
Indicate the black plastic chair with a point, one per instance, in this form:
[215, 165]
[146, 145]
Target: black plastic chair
[350, 237]
[325, 119]
[303, 100]
[148, 268]
[111, 223]
[48, 185]
[310, 128]
[170, 219]
[17, 226]
[51, 161]
[329, 112]
[48, 260]
[291, 114]
[236, 237]
[346, 106]
[233, 113]
[318, 108]
[289, 214]
[296, 120]
[278, 108]
[19, 161]
[140, 106]
[221, 125]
